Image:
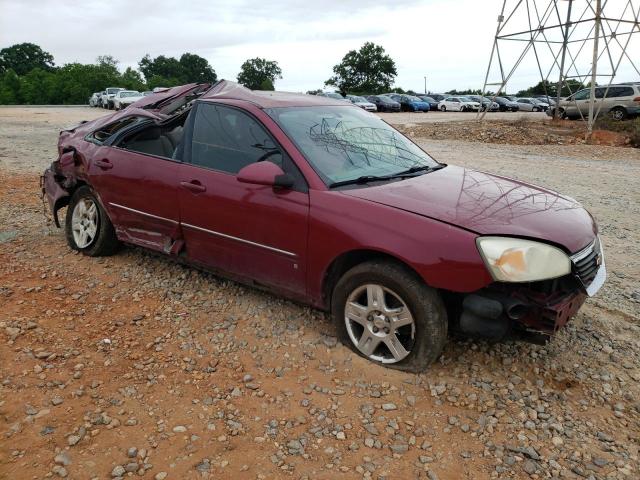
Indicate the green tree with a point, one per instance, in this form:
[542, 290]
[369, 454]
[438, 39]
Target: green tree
[24, 57]
[369, 69]
[132, 80]
[468, 91]
[259, 74]
[37, 87]
[196, 69]
[190, 68]
[10, 93]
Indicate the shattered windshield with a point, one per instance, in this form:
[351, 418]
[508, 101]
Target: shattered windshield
[344, 143]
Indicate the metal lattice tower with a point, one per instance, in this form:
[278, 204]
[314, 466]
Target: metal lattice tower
[573, 42]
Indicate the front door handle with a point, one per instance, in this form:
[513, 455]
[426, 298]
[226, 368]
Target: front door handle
[194, 186]
[104, 164]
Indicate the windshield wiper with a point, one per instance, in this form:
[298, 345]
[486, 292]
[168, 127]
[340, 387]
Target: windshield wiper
[411, 172]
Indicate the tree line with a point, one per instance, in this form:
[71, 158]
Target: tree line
[28, 75]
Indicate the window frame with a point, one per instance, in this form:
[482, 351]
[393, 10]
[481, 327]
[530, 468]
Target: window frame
[288, 164]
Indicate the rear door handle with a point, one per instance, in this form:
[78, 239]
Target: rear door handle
[104, 164]
[194, 186]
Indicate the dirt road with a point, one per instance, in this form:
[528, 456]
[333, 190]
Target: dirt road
[133, 363]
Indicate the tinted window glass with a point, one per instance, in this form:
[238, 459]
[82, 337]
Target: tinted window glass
[619, 92]
[227, 139]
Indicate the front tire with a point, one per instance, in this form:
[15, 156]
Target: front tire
[443, 108]
[87, 226]
[385, 313]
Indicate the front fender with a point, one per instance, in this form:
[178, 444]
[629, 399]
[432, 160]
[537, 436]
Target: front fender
[445, 256]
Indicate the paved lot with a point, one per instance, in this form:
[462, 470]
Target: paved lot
[134, 363]
[431, 117]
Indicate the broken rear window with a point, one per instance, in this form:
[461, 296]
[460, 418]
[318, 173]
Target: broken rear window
[103, 133]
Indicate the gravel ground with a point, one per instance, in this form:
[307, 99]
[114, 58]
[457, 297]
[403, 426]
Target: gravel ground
[134, 365]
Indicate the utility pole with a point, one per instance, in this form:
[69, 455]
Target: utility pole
[425, 85]
[594, 66]
[565, 41]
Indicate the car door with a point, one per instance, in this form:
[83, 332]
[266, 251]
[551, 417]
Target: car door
[579, 105]
[250, 231]
[139, 192]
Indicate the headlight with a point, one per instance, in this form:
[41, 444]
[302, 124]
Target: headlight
[517, 260]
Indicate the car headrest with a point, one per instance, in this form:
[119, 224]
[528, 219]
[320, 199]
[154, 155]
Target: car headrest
[148, 134]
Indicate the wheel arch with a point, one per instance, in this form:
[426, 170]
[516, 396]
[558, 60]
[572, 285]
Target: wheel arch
[347, 260]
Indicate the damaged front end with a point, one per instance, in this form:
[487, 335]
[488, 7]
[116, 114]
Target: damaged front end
[535, 309]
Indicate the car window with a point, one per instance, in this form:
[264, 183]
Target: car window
[344, 143]
[227, 139]
[105, 132]
[619, 92]
[582, 95]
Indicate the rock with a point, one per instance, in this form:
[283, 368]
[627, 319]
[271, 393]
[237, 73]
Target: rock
[62, 459]
[387, 407]
[529, 467]
[132, 452]
[118, 471]
[179, 429]
[60, 471]
[73, 439]
[160, 476]
[55, 401]
[399, 448]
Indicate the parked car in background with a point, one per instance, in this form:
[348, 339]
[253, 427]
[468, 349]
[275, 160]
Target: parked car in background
[551, 101]
[438, 96]
[618, 101]
[433, 103]
[148, 92]
[486, 103]
[409, 103]
[108, 95]
[94, 99]
[458, 104]
[124, 98]
[384, 103]
[321, 202]
[102, 98]
[362, 103]
[544, 106]
[506, 105]
[335, 95]
[530, 105]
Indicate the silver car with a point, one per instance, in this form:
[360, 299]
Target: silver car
[362, 103]
[530, 105]
[619, 101]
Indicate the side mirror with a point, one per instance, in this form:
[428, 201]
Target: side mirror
[265, 173]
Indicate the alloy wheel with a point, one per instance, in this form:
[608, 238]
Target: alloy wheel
[84, 222]
[379, 323]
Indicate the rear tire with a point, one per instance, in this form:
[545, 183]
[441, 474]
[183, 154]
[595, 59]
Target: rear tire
[87, 226]
[372, 305]
[443, 108]
[618, 113]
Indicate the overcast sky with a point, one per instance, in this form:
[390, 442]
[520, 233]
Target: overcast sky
[448, 41]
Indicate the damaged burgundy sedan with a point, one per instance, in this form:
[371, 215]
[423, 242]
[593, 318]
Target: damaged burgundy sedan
[324, 203]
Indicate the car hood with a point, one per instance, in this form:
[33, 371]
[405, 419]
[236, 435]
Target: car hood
[488, 205]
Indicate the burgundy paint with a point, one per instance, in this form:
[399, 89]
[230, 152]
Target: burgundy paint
[430, 222]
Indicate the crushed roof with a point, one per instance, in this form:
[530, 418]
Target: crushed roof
[226, 89]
